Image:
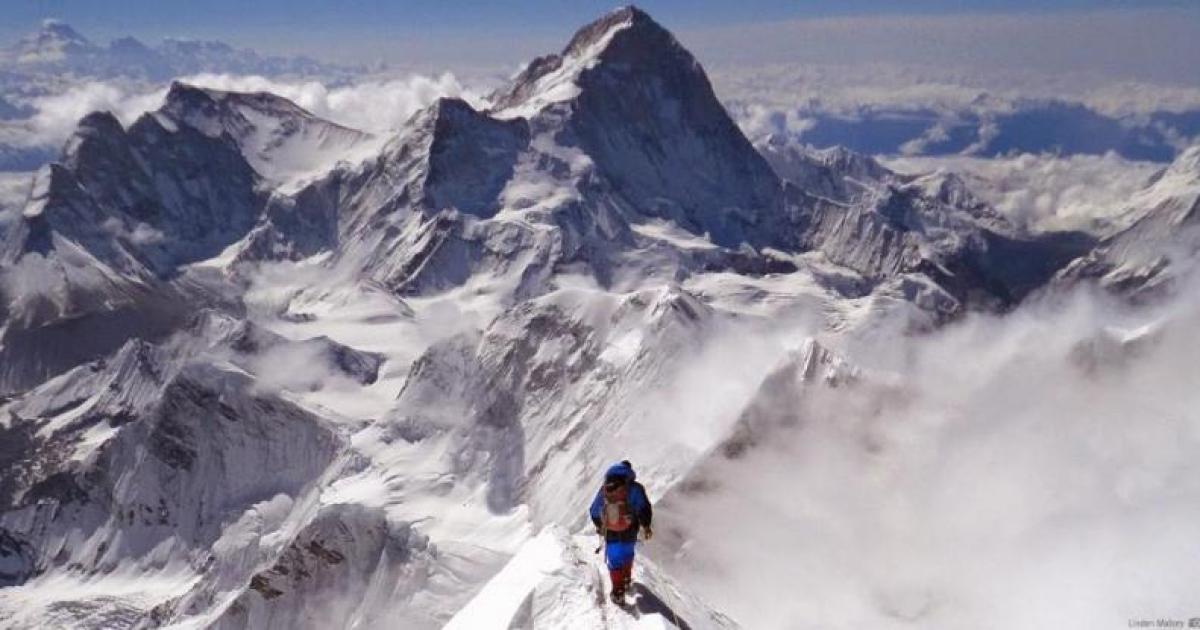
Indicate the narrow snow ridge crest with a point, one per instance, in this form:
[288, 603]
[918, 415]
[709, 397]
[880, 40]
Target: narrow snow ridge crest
[555, 581]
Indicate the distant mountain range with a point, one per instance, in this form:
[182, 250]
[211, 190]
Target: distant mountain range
[56, 47]
[50, 59]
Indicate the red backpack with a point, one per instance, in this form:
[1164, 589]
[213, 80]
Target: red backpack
[616, 517]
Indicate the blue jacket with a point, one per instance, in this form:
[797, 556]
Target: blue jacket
[639, 504]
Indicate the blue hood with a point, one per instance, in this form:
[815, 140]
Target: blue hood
[620, 470]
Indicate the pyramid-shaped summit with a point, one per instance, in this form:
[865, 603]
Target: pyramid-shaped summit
[641, 107]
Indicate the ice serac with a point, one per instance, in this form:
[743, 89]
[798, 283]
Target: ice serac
[641, 107]
[1157, 240]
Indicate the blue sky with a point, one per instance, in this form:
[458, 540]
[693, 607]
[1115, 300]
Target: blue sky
[129, 15]
[463, 32]
[242, 19]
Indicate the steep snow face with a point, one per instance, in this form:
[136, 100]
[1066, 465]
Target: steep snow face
[388, 215]
[142, 200]
[929, 229]
[95, 256]
[88, 263]
[139, 467]
[560, 385]
[64, 304]
[61, 313]
[554, 79]
[349, 567]
[1159, 240]
[284, 143]
[836, 173]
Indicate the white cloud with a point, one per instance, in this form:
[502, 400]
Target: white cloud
[1045, 191]
[1028, 471]
[843, 88]
[376, 105]
[56, 115]
[1073, 47]
[14, 188]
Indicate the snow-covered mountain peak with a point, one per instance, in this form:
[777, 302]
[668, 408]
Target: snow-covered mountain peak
[54, 41]
[197, 105]
[97, 129]
[1188, 163]
[282, 141]
[553, 78]
[634, 101]
[602, 29]
[129, 47]
[835, 173]
[624, 36]
[444, 114]
[456, 156]
[1156, 238]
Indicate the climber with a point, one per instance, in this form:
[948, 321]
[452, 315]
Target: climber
[619, 510]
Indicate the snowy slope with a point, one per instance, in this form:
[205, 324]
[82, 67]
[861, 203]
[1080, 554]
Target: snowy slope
[556, 582]
[1156, 239]
[280, 140]
[263, 371]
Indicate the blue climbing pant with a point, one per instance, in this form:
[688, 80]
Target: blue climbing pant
[619, 554]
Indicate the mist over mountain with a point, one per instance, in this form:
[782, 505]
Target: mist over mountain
[260, 368]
